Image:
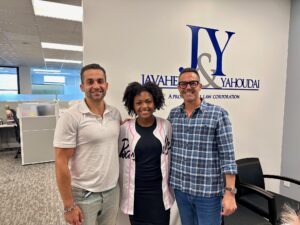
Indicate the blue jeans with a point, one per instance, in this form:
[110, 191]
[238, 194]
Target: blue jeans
[195, 210]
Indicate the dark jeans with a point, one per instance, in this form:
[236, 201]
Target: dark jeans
[195, 210]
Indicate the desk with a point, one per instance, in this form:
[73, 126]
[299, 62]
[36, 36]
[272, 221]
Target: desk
[7, 136]
[7, 125]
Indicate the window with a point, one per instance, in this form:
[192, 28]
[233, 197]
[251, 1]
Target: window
[9, 80]
[55, 81]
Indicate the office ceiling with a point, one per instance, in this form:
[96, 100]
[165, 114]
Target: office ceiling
[21, 34]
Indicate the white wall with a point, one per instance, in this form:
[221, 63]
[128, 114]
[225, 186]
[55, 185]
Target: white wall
[133, 37]
[291, 141]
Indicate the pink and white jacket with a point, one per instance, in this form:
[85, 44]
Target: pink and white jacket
[127, 141]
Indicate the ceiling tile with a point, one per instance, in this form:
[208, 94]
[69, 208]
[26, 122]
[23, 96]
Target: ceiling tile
[21, 33]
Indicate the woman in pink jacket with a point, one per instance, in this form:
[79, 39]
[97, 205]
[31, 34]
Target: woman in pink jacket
[144, 146]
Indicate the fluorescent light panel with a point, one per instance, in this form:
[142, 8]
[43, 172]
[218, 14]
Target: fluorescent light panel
[47, 71]
[57, 10]
[62, 60]
[62, 46]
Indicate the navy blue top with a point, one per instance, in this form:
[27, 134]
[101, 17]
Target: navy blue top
[148, 177]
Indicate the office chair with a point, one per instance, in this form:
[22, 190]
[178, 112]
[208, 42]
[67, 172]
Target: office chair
[244, 215]
[250, 172]
[17, 130]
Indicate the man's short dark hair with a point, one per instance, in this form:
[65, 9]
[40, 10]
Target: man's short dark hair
[93, 66]
[133, 89]
[188, 69]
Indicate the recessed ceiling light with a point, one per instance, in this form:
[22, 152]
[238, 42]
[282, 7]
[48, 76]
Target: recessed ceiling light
[57, 10]
[62, 46]
[62, 60]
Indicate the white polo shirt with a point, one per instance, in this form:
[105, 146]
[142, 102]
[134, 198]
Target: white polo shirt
[95, 164]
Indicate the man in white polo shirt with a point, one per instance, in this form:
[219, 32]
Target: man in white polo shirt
[86, 154]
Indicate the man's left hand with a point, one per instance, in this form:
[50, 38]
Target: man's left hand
[228, 204]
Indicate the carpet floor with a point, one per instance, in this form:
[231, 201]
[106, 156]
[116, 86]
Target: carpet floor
[28, 194]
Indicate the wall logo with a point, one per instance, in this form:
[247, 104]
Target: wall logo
[216, 79]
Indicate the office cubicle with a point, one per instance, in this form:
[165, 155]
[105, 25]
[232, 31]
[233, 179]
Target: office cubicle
[37, 125]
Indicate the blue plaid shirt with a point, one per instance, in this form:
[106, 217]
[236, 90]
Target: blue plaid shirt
[202, 150]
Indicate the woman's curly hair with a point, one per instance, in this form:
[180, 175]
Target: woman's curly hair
[133, 89]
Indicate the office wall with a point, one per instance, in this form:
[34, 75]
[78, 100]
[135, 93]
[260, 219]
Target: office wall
[291, 140]
[238, 42]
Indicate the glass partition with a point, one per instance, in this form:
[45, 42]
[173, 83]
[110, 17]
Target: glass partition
[36, 97]
[55, 81]
[47, 85]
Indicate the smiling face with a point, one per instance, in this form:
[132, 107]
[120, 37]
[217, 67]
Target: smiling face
[189, 93]
[143, 105]
[94, 85]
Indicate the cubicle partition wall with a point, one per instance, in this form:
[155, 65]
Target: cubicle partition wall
[37, 124]
[7, 137]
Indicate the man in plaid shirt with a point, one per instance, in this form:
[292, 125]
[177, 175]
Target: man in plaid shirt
[202, 155]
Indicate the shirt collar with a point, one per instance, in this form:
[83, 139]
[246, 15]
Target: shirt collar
[202, 107]
[85, 109]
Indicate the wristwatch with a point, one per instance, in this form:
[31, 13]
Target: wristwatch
[67, 210]
[232, 190]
